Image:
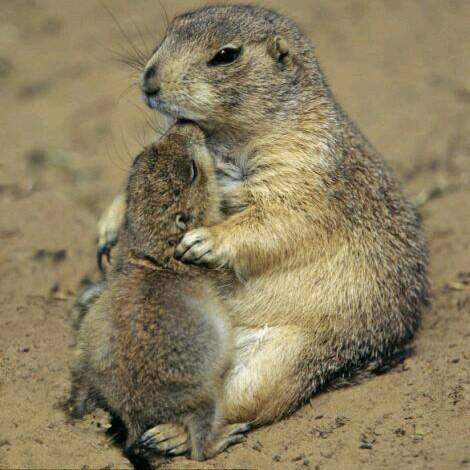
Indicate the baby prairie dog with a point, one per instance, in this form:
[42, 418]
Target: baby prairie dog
[156, 344]
[330, 257]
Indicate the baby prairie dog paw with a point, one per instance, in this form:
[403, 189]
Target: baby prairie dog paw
[108, 228]
[203, 246]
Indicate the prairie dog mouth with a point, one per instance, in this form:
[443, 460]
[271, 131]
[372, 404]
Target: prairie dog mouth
[154, 102]
[151, 101]
[170, 110]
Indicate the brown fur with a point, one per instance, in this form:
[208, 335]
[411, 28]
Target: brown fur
[155, 345]
[330, 257]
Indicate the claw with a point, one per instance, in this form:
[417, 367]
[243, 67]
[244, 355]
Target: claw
[166, 439]
[104, 250]
[232, 434]
[148, 441]
[239, 428]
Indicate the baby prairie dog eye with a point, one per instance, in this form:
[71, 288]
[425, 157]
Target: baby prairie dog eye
[226, 55]
[194, 172]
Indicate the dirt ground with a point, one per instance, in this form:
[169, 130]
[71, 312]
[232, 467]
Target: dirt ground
[70, 122]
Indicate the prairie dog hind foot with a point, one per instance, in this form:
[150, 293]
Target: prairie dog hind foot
[171, 440]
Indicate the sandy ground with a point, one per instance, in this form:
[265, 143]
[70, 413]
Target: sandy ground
[69, 124]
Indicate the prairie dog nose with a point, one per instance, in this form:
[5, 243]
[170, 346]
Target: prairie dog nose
[149, 82]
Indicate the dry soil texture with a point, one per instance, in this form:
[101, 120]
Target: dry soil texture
[71, 119]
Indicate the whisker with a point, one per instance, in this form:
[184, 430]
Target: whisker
[147, 118]
[124, 141]
[111, 160]
[138, 138]
[127, 89]
[138, 54]
[154, 126]
[167, 20]
[142, 39]
[156, 37]
[127, 59]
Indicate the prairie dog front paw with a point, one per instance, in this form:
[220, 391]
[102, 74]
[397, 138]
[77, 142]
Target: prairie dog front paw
[108, 228]
[202, 246]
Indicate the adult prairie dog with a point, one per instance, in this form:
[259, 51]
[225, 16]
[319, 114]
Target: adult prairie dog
[156, 344]
[330, 257]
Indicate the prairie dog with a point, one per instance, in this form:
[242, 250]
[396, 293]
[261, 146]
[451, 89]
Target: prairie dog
[155, 345]
[329, 254]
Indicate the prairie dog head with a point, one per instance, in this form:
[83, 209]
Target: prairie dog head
[171, 189]
[228, 66]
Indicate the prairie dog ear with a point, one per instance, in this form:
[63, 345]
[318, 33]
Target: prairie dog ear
[278, 48]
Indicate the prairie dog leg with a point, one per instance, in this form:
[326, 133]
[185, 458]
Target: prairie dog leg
[262, 387]
[200, 427]
[232, 434]
[209, 437]
[108, 228]
[172, 439]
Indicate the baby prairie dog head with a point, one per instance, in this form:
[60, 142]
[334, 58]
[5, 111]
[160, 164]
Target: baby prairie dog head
[171, 189]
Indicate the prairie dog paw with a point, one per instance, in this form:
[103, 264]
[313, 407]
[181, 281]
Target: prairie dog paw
[200, 246]
[231, 435]
[108, 228]
[168, 439]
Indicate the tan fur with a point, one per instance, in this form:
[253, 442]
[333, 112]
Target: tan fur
[329, 255]
[110, 223]
[155, 345]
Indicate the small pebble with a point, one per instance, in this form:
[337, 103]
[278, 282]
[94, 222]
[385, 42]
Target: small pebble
[53, 255]
[257, 446]
[299, 457]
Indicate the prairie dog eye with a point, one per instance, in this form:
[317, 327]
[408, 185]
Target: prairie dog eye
[194, 172]
[226, 55]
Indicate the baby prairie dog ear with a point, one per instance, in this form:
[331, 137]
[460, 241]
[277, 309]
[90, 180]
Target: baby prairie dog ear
[278, 48]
